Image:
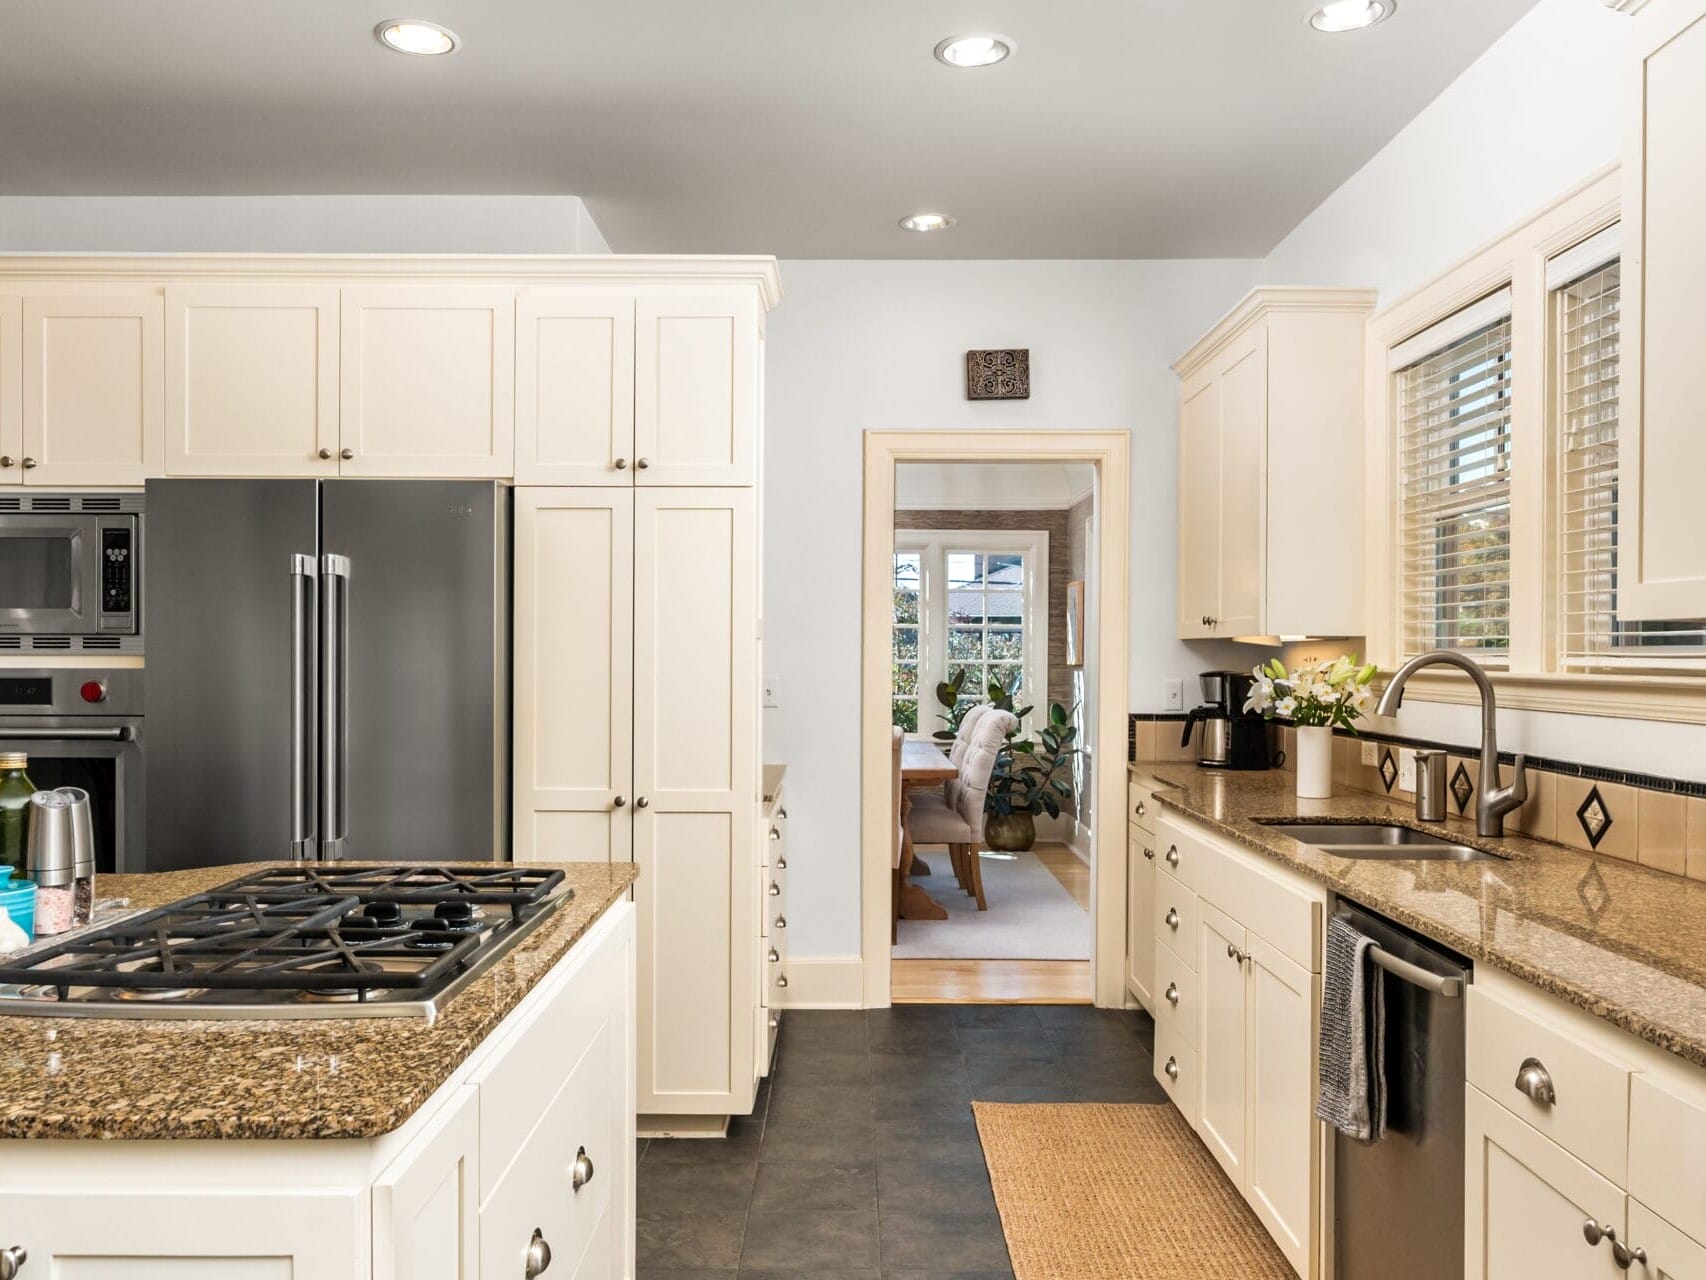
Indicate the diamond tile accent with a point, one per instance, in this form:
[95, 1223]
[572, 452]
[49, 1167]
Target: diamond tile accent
[1388, 769]
[1594, 817]
[1461, 788]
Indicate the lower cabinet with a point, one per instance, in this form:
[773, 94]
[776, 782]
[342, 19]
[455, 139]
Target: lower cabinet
[1140, 916]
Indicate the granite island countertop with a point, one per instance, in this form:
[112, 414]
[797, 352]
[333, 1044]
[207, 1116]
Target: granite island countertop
[1625, 942]
[281, 1079]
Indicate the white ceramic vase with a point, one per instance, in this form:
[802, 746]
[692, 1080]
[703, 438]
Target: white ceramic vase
[1314, 762]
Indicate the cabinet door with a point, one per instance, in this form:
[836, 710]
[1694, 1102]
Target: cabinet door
[93, 407]
[695, 775]
[696, 389]
[1670, 1254]
[1140, 916]
[197, 1232]
[574, 673]
[1282, 1158]
[1243, 487]
[1222, 1039]
[1199, 508]
[426, 1202]
[428, 381]
[574, 379]
[251, 380]
[11, 390]
[1661, 571]
[1526, 1200]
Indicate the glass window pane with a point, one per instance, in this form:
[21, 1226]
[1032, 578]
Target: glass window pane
[964, 643]
[906, 643]
[1006, 570]
[1007, 674]
[905, 606]
[906, 569]
[965, 606]
[905, 679]
[905, 715]
[965, 569]
[1006, 607]
[1007, 645]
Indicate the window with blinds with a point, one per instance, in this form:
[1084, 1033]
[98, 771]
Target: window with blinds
[1453, 410]
[1586, 321]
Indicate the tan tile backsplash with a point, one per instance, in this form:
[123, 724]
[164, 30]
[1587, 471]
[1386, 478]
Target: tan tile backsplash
[1662, 831]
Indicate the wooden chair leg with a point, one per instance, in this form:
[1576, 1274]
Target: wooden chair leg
[964, 867]
[976, 875]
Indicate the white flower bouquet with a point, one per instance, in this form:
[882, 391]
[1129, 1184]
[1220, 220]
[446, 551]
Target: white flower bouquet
[1328, 694]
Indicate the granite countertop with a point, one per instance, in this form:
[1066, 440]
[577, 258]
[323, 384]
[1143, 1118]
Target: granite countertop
[304, 1078]
[1624, 942]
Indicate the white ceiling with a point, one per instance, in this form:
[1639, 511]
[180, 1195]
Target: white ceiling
[1121, 128]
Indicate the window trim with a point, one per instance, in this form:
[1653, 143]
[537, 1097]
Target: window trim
[1532, 679]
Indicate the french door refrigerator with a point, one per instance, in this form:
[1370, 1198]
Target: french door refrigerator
[327, 670]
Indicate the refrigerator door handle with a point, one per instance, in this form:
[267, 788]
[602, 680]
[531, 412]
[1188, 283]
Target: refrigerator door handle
[304, 708]
[334, 686]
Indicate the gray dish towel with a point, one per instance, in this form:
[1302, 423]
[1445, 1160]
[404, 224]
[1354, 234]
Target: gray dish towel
[1352, 1096]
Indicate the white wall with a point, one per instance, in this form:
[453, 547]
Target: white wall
[1537, 114]
[860, 346]
[990, 486]
[297, 224]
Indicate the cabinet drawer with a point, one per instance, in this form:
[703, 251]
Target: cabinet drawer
[1142, 844]
[1175, 996]
[1667, 1153]
[1260, 895]
[1588, 1114]
[1140, 804]
[1177, 852]
[1176, 1069]
[1176, 919]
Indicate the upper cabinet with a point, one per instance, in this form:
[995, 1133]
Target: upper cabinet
[1662, 569]
[11, 389]
[574, 380]
[1270, 468]
[427, 379]
[251, 380]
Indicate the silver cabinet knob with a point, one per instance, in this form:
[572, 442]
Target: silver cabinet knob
[1173, 855]
[12, 1257]
[781, 864]
[1173, 994]
[619, 802]
[325, 455]
[1172, 1068]
[7, 460]
[642, 463]
[1593, 1233]
[781, 979]
[346, 454]
[1625, 1257]
[538, 1254]
[1172, 918]
[29, 464]
[775, 1022]
[1141, 809]
[775, 890]
[782, 814]
[775, 955]
[1205, 620]
[1149, 854]
[775, 834]
[1233, 953]
[641, 802]
[1533, 1080]
[583, 1170]
[621, 464]
[781, 922]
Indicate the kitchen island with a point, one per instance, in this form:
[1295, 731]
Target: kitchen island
[478, 1142]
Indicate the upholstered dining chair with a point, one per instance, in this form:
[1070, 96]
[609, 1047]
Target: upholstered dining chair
[960, 825]
[962, 742]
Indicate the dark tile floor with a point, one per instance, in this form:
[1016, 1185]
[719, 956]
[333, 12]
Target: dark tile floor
[861, 1160]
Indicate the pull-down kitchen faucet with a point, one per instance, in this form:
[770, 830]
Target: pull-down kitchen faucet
[1492, 802]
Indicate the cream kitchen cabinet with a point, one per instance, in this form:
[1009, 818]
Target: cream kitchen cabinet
[427, 380]
[87, 406]
[1270, 419]
[1140, 891]
[1661, 571]
[636, 723]
[252, 380]
[574, 379]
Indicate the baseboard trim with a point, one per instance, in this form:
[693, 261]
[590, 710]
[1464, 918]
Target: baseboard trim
[825, 982]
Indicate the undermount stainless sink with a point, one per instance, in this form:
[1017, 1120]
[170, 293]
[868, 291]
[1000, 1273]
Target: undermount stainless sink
[1384, 840]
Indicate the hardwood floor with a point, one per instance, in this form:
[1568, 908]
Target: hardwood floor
[1004, 981]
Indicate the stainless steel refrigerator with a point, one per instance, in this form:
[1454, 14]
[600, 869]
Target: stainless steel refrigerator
[327, 670]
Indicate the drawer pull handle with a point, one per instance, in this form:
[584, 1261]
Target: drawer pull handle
[775, 955]
[325, 455]
[1533, 1080]
[775, 890]
[782, 980]
[1233, 953]
[775, 1022]
[620, 802]
[1173, 855]
[1593, 1233]
[781, 864]
[1141, 809]
[1624, 1256]
[775, 834]
[12, 1257]
[1172, 918]
[1173, 994]
[621, 464]
[346, 454]
[782, 814]
[1150, 854]
[1172, 1068]
[538, 1254]
[642, 463]
[781, 922]
[583, 1170]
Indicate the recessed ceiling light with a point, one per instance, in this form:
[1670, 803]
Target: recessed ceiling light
[926, 222]
[1351, 15]
[974, 51]
[411, 35]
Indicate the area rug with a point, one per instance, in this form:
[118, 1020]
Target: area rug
[1031, 915]
[1097, 1191]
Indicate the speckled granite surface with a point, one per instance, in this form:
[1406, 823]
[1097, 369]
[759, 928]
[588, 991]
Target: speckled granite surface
[1626, 943]
[310, 1078]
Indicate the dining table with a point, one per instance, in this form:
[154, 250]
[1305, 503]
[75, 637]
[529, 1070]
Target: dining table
[922, 764]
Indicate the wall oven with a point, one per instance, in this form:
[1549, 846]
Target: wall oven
[82, 727]
[69, 572]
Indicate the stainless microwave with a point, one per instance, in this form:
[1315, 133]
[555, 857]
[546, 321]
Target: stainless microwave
[70, 571]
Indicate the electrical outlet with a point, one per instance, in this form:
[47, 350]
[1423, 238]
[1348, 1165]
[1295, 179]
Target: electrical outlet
[771, 697]
[1370, 754]
[1406, 769]
[1175, 695]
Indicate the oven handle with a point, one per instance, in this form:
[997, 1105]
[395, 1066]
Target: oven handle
[119, 733]
[304, 708]
[334, 705]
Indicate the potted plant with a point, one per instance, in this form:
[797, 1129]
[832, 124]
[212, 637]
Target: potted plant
[1315, 699]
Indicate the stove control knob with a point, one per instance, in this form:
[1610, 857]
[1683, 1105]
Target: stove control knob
[454, 912]
[538, 1254]
[94, 691]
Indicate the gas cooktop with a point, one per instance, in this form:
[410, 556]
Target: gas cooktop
[312, 941]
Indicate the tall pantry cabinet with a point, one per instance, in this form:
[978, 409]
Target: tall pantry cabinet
[636, 652]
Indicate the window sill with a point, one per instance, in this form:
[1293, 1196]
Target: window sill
[1653, 696]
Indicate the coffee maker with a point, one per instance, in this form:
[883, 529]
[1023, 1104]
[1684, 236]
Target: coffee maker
[1229, 736]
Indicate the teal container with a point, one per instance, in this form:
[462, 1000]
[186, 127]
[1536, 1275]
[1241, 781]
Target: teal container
[18, 900]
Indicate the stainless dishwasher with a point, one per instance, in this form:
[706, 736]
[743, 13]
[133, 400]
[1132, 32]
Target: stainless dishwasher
[1398, 1203]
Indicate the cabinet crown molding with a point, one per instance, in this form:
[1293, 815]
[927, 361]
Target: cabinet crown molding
[1269, 300]
[520, 270]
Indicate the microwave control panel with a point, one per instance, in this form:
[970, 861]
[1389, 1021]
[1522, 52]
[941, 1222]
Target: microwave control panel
[117, 571]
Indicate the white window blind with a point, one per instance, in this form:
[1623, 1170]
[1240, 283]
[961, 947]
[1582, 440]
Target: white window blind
[1454, 460]
[1586, 325]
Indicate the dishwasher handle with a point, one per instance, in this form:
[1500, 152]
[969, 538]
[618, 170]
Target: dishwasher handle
[1449, 987]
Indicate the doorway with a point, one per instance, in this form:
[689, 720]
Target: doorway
[997, 561]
